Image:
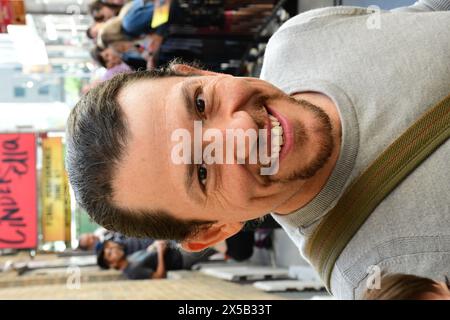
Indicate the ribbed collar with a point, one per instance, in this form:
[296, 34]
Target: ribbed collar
[335, 185]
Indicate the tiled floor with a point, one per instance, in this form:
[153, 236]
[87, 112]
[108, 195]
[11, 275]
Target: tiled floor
[192, 285]
[184, 285]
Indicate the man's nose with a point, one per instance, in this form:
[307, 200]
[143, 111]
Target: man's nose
[239, 134]
[236, 101]
[234, 95]
[242, 134]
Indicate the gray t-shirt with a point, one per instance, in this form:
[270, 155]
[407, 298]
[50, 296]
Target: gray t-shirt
[382, 71]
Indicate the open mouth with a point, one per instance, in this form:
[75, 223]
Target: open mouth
[280, 134]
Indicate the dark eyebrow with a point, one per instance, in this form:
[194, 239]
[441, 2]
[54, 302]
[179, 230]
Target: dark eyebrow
[189, 177]
[187, 98]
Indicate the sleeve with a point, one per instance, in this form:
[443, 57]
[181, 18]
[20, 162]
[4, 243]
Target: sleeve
[138, 272]
[427, 5]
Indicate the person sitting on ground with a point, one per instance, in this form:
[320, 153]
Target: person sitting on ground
[134, 22]
[129, 244]
[111, 29]
[91, 240]
[152, 263]
[93, 31]
[112, 60]
[102, 11]
[87, 241]
[138, 20]
[258, 234]
[409, 287]
[132, 53]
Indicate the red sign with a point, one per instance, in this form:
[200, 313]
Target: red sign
[18, 209]
[11, 12]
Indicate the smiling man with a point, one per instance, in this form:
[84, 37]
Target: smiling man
[130, 156]
[335, 90]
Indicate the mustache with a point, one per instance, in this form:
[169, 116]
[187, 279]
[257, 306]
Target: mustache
[259, 115]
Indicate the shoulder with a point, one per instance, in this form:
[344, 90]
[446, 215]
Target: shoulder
[426, 256]
[323, 15]
[304, 28]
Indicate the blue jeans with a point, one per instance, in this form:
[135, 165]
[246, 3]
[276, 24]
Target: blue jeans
[138, 20]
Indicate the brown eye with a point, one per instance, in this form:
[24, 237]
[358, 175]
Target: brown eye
[200, 103]
[202, 174]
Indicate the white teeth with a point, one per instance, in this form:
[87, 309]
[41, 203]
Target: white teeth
[280, 140]
[277, 142]
[277, 136]
[275, 122]
[277, 131]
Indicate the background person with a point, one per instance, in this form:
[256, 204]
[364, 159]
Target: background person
[409, 287]
[152, 263]
[91, 241]
[102, 11]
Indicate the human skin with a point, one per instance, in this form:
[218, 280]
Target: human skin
[148, 179]
[105, 13]
[444, 293]
[111, 58]
[114, 255]
[88, 240]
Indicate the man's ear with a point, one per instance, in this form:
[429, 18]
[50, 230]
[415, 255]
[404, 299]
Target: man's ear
[189, 70]
[210, 236]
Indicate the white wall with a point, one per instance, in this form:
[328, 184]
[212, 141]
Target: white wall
[305, 5]
[383, 4]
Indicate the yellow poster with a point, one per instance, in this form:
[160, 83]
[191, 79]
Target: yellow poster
[68, 211]
[161, 13]
[54, 191]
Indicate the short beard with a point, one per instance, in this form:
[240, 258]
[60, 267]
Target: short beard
[326, 143]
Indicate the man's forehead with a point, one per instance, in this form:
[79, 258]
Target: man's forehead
[144, 102]
[151, 115]
[137, 92]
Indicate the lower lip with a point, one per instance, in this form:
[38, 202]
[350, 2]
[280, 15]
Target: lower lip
[288, 136]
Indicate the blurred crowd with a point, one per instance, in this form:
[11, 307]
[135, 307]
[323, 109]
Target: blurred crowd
[130, 35]
[139, 258]
[122, 36]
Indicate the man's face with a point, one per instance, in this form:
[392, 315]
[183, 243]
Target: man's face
[95, 28]
[148, 178]
[88, 240]
[113, 254]
[104, 14]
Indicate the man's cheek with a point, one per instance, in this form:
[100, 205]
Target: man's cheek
[240, 198]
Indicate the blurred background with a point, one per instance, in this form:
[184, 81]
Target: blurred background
[54, 51]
